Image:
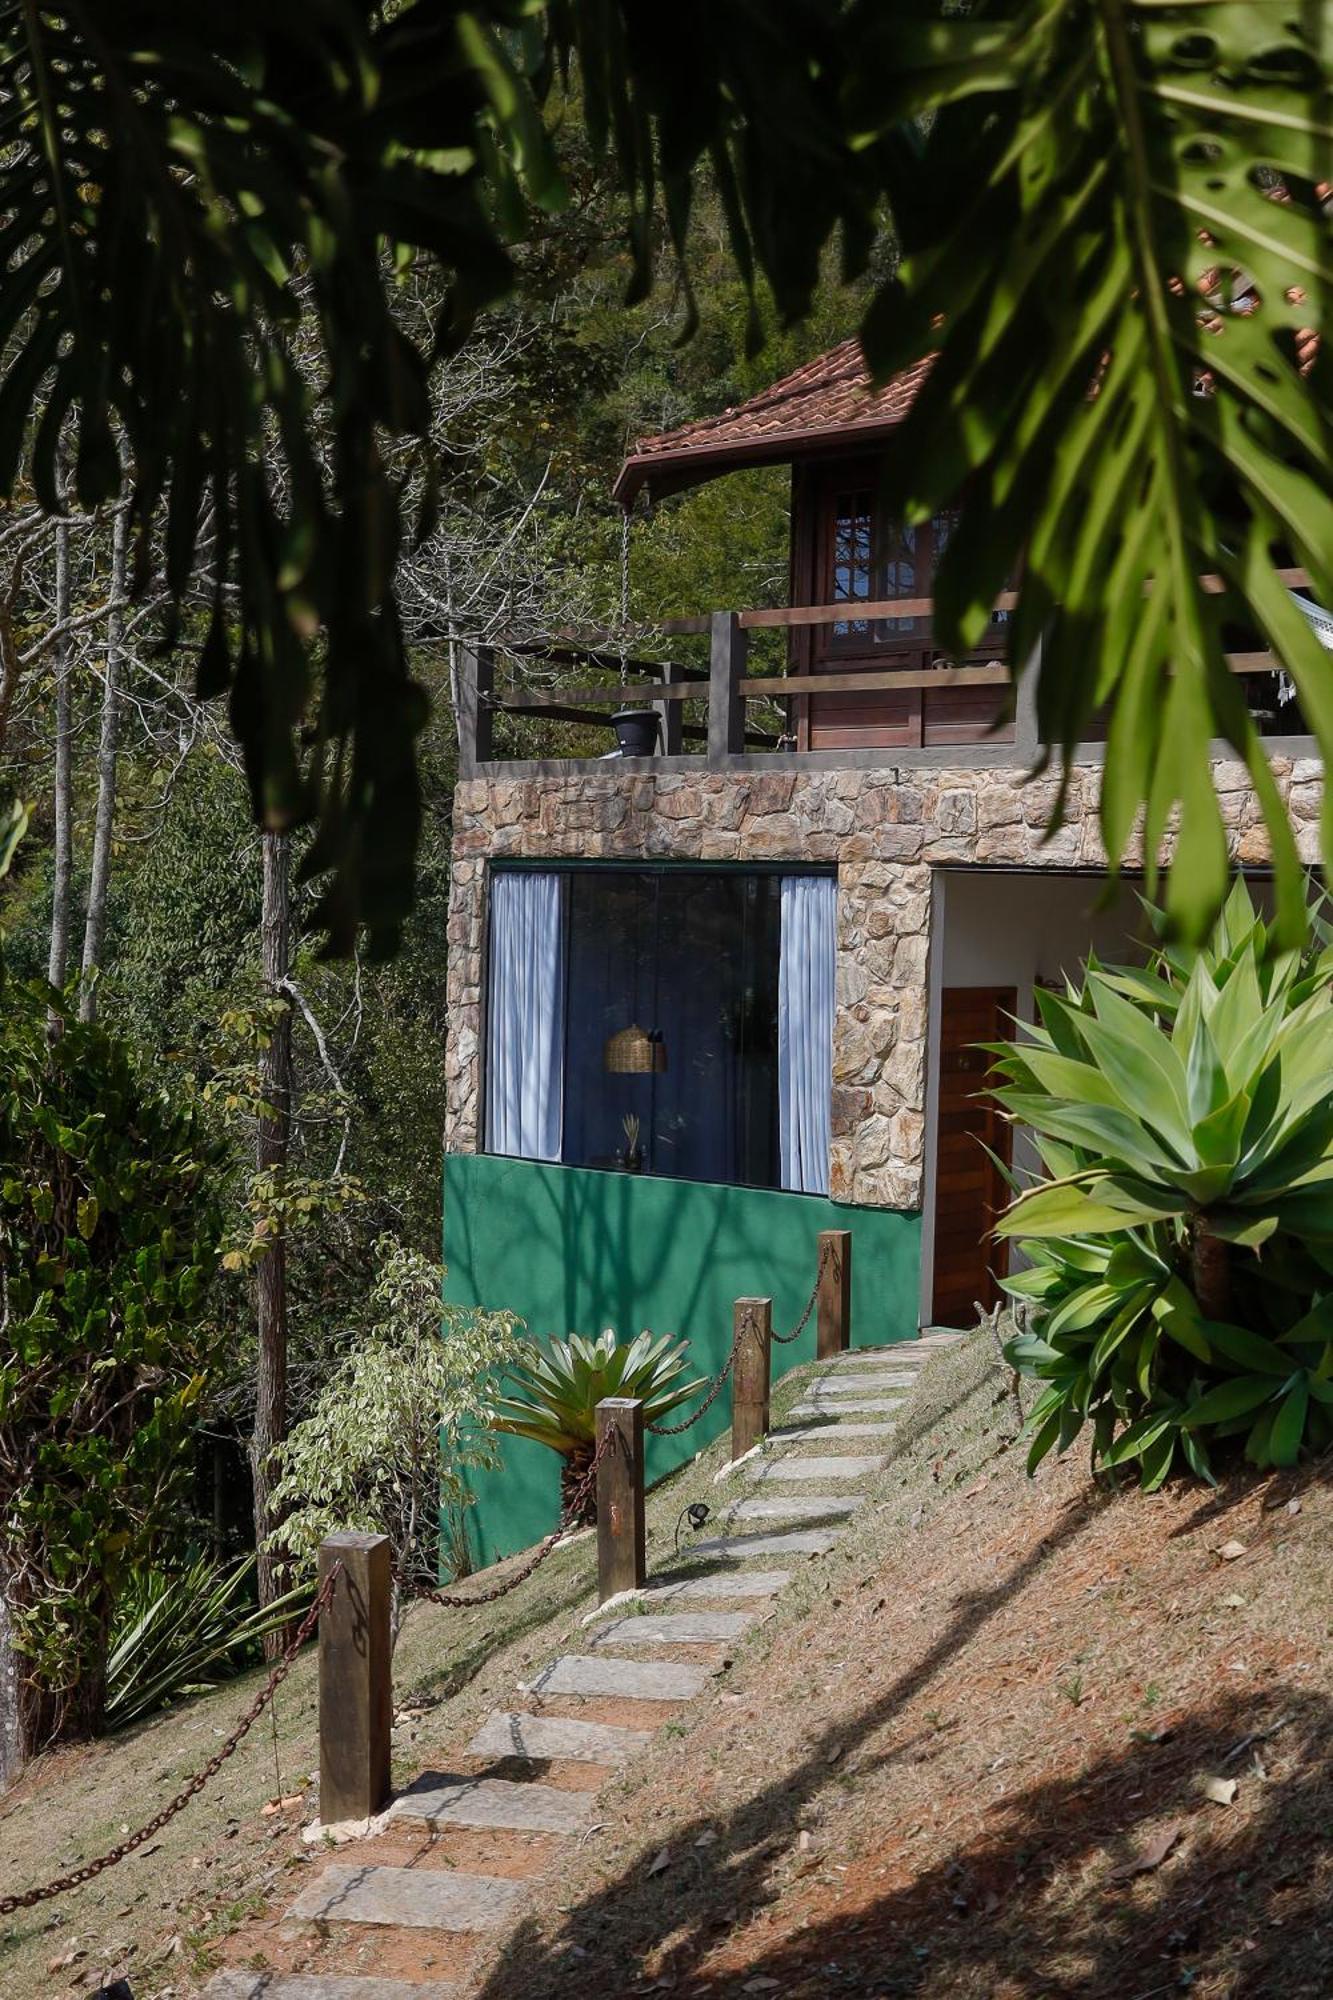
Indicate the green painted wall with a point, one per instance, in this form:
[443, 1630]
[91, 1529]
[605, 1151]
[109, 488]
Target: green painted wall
[572, 1251]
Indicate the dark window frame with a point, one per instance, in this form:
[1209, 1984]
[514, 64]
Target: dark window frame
[736, 870]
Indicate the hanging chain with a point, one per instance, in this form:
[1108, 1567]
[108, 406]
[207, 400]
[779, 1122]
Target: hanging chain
[674, 1430]
[569, 1519]
[195, 1785]
[624, 596]
[803, 1322]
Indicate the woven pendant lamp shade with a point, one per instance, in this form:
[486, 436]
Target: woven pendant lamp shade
[634, 1052]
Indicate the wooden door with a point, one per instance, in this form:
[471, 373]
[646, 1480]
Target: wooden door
[969, 1188]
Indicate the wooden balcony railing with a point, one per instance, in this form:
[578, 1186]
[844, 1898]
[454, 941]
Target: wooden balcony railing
[708, 711]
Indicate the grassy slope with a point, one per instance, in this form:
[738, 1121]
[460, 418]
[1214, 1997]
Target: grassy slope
[940, 1767]
[933, 1770]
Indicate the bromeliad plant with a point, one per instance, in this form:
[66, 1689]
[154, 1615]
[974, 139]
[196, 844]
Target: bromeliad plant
[1181, 1247]
[559, 1384]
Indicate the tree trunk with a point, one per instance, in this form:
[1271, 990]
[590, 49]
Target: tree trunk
[271, 1273]
[10, 664]
[34, 1715]
[1210, 1271]
[63, 855]
[11, 1760]
[95, 923]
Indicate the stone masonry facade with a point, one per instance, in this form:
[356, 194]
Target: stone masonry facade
[885, 829]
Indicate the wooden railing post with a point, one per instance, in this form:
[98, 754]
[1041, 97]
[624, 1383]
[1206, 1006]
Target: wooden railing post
[476, 682]
[355, 1680]
[835, 1293]
[726, 702]
[1027, 737]
[753, 1333]
[621, 1558]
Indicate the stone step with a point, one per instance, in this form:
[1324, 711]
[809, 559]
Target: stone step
[632, 1680]
[508, 1733]
[808, 1506]
[833, 1430]
[675, 1628]
[835, 1387]
[787, 1542]
[740, 1583]
[863, 1361]
[498, 1802]
[850, 1406]
[850, 1465]
[321, 1986]
[426, 1899]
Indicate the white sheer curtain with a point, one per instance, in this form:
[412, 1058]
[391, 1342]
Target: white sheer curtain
[524, 1071]
[805, 1030]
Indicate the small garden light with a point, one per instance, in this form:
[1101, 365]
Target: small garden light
[698, 1512]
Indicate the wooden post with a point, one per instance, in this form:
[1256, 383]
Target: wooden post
[671, 720]
[355, 1680]
[726, 703]
[753, 1332]
[621, 1560]
[1027, 737]
[476, 681]
[835, 1293]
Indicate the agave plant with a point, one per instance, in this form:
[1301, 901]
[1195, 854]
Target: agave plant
[558, 1385]
[1181, 1246]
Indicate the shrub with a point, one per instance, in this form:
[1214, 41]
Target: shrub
[179, 1632]
[107, 1243]
[1181, 1244]
[559, 1384]
[391, 1434]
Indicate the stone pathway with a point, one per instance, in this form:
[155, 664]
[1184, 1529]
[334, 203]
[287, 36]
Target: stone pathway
[445, 1905]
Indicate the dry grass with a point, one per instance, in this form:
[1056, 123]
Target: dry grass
[946, 1764]
[940, 1767]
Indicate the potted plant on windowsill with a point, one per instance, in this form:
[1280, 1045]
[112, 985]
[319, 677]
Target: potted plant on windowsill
[631, 1159]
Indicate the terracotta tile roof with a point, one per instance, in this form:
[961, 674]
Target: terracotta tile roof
[827, 402]
[825, 405]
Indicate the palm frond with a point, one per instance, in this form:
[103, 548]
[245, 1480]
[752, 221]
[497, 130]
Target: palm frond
[1116, 239]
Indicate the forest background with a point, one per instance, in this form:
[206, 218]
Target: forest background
[140, 882]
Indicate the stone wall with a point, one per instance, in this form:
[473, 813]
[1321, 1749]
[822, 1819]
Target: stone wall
[885, 828]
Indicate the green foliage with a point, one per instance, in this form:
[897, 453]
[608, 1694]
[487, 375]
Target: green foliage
[1181, 1245]
[397, 1425]
[13, 826]
[559, 1383]
[1096, 202]
[271, 175]
[179, 1632]
[107, 1246]
[1085, 193]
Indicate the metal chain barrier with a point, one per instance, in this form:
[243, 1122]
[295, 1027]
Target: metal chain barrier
[781, 1339]
[674, 1430]
[569, 1519]
[281, 1669]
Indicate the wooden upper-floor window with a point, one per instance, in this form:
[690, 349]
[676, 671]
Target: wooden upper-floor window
[869, 558]
[848, 550]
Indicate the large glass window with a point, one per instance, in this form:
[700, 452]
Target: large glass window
[692, 1014]
[690, 960]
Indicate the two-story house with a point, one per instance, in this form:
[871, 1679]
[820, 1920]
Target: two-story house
[706, 1002]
